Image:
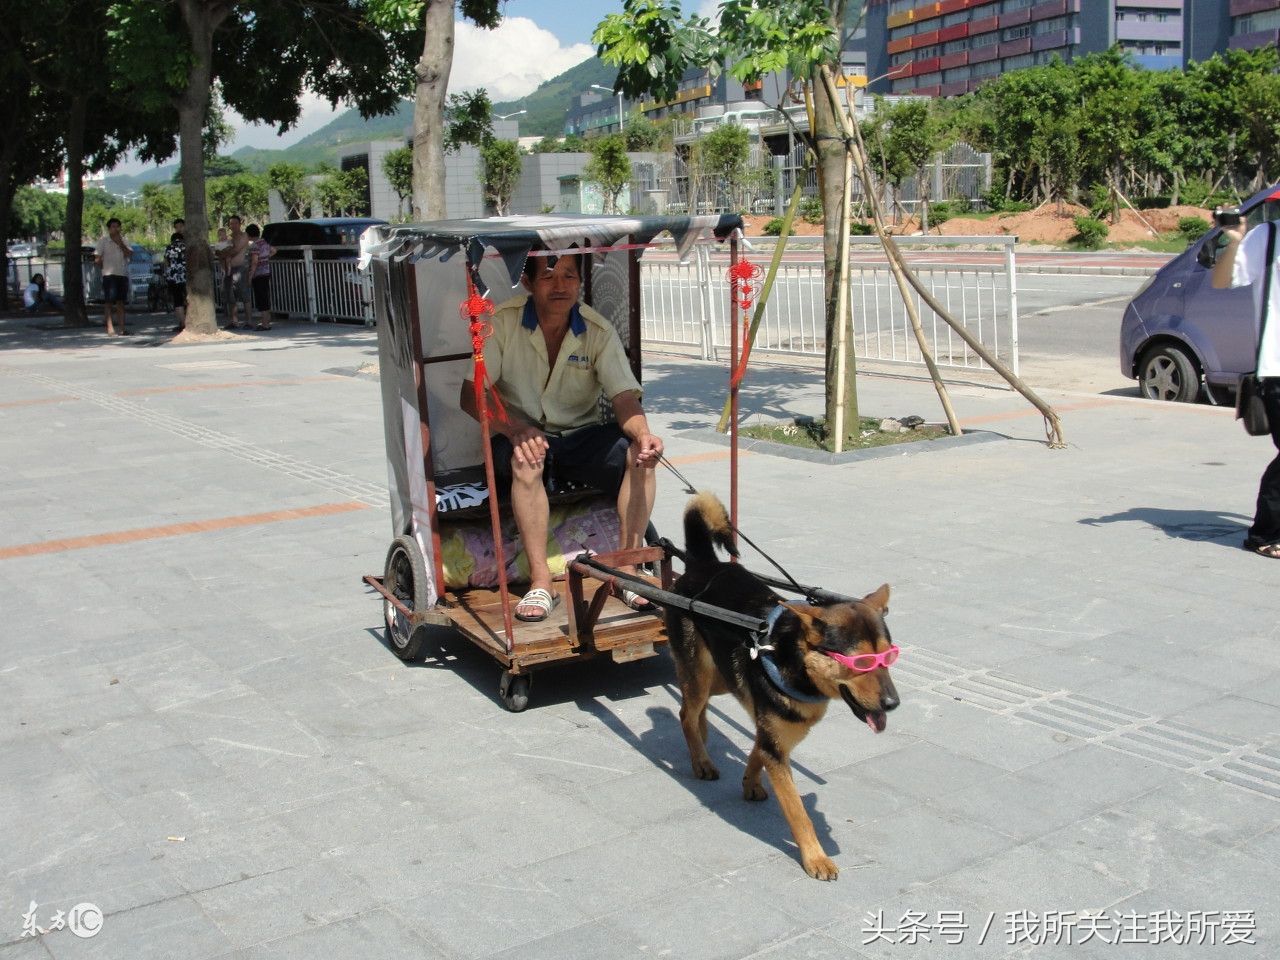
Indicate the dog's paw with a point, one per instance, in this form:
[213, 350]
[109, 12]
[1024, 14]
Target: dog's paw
[754, 791]
[705, 770]
[821, 868]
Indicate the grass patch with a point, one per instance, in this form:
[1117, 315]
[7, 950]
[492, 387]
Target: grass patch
[811, 434]
[1165, 243]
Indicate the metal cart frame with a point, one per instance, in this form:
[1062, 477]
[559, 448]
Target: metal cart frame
[590, 621]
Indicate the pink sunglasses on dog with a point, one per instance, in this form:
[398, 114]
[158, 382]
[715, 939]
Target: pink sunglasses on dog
[866, 662]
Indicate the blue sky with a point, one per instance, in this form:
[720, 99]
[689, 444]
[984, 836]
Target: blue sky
[571, 22]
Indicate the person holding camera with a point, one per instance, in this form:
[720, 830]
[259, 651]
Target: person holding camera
[1249, 258]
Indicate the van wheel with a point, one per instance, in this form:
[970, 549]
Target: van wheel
[1167, 373]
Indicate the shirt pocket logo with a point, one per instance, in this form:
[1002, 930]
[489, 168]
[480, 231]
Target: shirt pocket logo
[579, 361]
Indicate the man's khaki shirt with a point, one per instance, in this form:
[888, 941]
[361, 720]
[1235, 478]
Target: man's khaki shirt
[591, 360]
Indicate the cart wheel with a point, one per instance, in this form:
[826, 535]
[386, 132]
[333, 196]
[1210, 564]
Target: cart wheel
[406, 577]
[514, 690]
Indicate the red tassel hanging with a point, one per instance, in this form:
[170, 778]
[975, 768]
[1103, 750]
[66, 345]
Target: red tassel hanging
[475, 310]
[744, 284]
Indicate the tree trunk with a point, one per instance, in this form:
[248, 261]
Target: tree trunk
[428, 112]
[202, 19]
[74, 312]
[829, 140]
[7, 151]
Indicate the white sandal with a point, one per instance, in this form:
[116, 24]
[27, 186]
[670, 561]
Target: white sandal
[544, 600]
[636, 602]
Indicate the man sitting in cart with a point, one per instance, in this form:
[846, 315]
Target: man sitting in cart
[549, 360]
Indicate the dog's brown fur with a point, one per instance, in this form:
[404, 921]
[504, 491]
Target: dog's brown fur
[713, 657]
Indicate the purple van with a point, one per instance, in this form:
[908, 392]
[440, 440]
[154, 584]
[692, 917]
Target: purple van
[1179, 332]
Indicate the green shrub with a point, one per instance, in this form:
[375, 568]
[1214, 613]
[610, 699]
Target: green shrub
[1199, 192]
[944, 210]
[1091, 233]
[859, 229]
[995, 201]
[773, 228]
[1192, 228]
[1102, 202]
[811, 209]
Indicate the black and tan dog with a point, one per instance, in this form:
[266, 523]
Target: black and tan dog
[785, 680]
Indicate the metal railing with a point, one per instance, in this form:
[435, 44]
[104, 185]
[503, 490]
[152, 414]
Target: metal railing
[974, 278]
[315, 283]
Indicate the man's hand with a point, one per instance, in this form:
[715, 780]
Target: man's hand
[529, 445]
[650, 450]
[1236, 233]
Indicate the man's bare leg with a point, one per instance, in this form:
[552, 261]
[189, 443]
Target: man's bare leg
[636, 497]
[108, 313]
[529, 504]
[120, 307]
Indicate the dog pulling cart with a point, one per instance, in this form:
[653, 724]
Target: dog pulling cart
[454, 548]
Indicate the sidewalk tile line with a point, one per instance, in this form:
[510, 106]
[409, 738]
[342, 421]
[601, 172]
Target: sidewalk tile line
[706, 457]
[177, 529]
[36, 402]
[194, 387]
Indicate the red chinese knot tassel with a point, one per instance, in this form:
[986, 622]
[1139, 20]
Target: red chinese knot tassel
[744, 285]
[476, 310]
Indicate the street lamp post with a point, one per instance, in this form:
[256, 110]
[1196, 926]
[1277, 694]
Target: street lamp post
[621, 125]
[508, 116]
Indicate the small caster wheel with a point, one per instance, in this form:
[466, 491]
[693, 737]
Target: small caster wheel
[514, 690]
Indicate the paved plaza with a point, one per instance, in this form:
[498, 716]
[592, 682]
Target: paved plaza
[204, 737]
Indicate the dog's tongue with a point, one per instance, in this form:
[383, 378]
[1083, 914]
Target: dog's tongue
[876, 721]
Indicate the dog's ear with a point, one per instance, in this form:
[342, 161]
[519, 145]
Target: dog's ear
[879, 599]
[801, 620]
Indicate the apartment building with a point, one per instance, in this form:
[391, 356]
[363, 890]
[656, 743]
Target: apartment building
[949, 47]
[1215, 25]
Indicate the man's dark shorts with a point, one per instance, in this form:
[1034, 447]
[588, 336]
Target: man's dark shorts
[178, 294]
[595, 456]
[115, 289]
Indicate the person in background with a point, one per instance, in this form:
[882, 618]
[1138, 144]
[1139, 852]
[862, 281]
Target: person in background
[35, 296]
[260, 275]
[112, 255]
[175, 275]
[235, 277]
[1243, 261]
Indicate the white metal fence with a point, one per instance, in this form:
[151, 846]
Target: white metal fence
[316, 283]
[974, 278]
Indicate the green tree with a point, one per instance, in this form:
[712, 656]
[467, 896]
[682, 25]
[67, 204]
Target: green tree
[397, 165]
[653, 45]
[725, 155]
[500, 172]
[344, 193]
[1111, 97]
[610, 167]
[161, 205]
[260, 55]
[432, 73]
[244, 194]
[37, 213]
[468, 119]
[290, 181]
[30, 142]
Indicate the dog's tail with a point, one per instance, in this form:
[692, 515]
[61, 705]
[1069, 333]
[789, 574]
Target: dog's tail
[706, 523]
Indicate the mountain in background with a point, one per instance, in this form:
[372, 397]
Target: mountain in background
[545, 109]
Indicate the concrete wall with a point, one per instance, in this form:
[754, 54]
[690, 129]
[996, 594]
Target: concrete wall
[540, 175]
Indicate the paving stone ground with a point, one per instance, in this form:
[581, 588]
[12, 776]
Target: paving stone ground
[203, 734]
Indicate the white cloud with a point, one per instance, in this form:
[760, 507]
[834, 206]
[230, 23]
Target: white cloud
[512, 60]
